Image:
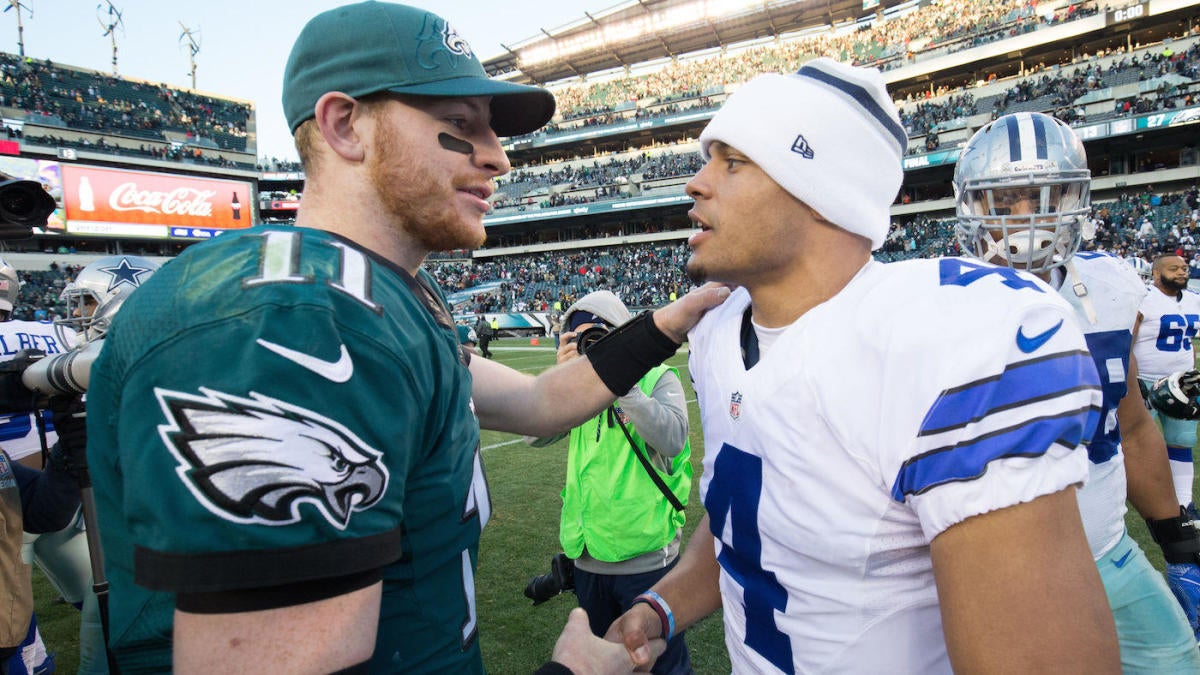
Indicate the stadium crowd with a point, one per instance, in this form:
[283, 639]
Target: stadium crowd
[58, 95]
[904, 38]
[1175, 79]
[1142, 224]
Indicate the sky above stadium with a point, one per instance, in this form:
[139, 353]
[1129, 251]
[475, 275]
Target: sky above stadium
[244, 43]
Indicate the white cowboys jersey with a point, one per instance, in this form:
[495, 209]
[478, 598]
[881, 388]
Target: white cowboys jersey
[1115, 292]
[924, 393]
[18, 433]
[1164, 341]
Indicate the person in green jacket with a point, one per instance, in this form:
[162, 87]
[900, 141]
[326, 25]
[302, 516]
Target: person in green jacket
[618, 525]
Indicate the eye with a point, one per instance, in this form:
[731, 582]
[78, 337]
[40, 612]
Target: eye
[731, 163]
[457, 122]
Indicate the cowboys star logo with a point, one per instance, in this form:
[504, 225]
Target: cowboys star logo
[735, 405]
[257, 460]
[125, 273]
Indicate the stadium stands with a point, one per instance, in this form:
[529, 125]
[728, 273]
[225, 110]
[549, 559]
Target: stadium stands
[618, 140]
[66, 106]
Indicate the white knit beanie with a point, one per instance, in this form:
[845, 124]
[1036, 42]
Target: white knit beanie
[829, 134]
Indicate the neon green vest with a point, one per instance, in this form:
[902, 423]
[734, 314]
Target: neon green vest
[610, 504]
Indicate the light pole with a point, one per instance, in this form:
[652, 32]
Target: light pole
[110, 24]
[19, 6]
[193, 44]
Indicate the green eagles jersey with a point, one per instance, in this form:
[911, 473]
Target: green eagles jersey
[278, 406]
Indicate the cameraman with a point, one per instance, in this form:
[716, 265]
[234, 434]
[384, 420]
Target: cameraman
[618, 524]
[36, 502]
[62, 555]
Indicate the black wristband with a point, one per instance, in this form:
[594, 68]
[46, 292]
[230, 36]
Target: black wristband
[553, 668]
[623, 356]
[1177, 537]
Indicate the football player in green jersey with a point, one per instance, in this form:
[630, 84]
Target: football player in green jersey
[284, 429]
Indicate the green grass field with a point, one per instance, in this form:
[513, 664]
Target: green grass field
[517, 544]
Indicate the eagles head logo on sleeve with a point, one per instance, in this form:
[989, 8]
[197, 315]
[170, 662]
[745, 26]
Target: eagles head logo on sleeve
[258, 459]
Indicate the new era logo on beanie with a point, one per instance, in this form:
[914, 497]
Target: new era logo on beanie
[371, 47]
[829, 134]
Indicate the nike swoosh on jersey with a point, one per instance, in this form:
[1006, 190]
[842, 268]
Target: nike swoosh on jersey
[1031, 344]
[1120, 562]
[339, 371]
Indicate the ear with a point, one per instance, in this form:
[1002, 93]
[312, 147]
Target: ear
[334, 114]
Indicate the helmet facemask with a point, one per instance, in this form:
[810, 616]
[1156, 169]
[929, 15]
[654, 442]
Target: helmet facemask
[1030, 227]
[81, 305]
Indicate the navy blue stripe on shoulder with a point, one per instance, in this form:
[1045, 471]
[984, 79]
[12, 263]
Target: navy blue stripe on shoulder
[1021, 383]
[970, 461]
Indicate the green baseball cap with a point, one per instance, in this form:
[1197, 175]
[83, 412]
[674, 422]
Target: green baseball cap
[371, 47]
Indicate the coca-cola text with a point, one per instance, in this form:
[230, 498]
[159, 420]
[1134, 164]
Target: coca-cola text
[182, 201]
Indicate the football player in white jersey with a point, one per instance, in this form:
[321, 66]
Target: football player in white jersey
[19, 432]
[890, 463]
[1022, 187]
[1167, 323]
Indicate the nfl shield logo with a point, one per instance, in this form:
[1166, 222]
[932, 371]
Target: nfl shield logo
[735, 405]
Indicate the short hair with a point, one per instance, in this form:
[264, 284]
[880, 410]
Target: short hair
[1160, 260]
[308, 133]
[306, 144]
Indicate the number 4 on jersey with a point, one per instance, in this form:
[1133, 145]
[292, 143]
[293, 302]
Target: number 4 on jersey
[733, 497]
[959, 272]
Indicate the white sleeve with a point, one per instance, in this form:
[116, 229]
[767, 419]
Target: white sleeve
[1010, 426]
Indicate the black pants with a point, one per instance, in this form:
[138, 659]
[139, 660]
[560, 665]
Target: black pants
[608, 596]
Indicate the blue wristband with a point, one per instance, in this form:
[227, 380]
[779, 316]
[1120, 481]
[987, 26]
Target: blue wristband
[663, 610]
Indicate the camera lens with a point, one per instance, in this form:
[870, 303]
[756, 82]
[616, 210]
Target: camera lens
[542, 588]
[15, 202]
[25, 202]
[591, 336]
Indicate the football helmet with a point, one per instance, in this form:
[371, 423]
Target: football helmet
[1022, 192]
[1142, 266]
[99, 290]
[10, 287]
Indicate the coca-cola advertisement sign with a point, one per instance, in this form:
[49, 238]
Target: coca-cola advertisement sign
[103, 201]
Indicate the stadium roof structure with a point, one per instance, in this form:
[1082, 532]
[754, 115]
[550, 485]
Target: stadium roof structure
[638, 31]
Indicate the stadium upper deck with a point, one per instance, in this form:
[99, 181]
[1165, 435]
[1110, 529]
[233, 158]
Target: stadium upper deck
[612, 165]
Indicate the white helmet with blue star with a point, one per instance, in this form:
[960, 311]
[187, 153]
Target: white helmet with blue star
[108, 280]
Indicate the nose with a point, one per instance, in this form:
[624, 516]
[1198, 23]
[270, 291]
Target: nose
[698, 187]
[489, 154]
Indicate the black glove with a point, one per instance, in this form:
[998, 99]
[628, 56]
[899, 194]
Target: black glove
[1175, 395]
[14, 396]
[69, 454]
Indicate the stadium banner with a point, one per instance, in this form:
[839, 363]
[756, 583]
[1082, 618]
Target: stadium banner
[291, 176]
[590, 208]
[159, 205]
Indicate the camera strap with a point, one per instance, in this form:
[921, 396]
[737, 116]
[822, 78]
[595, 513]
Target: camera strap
[658, 481]
[40, 420]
